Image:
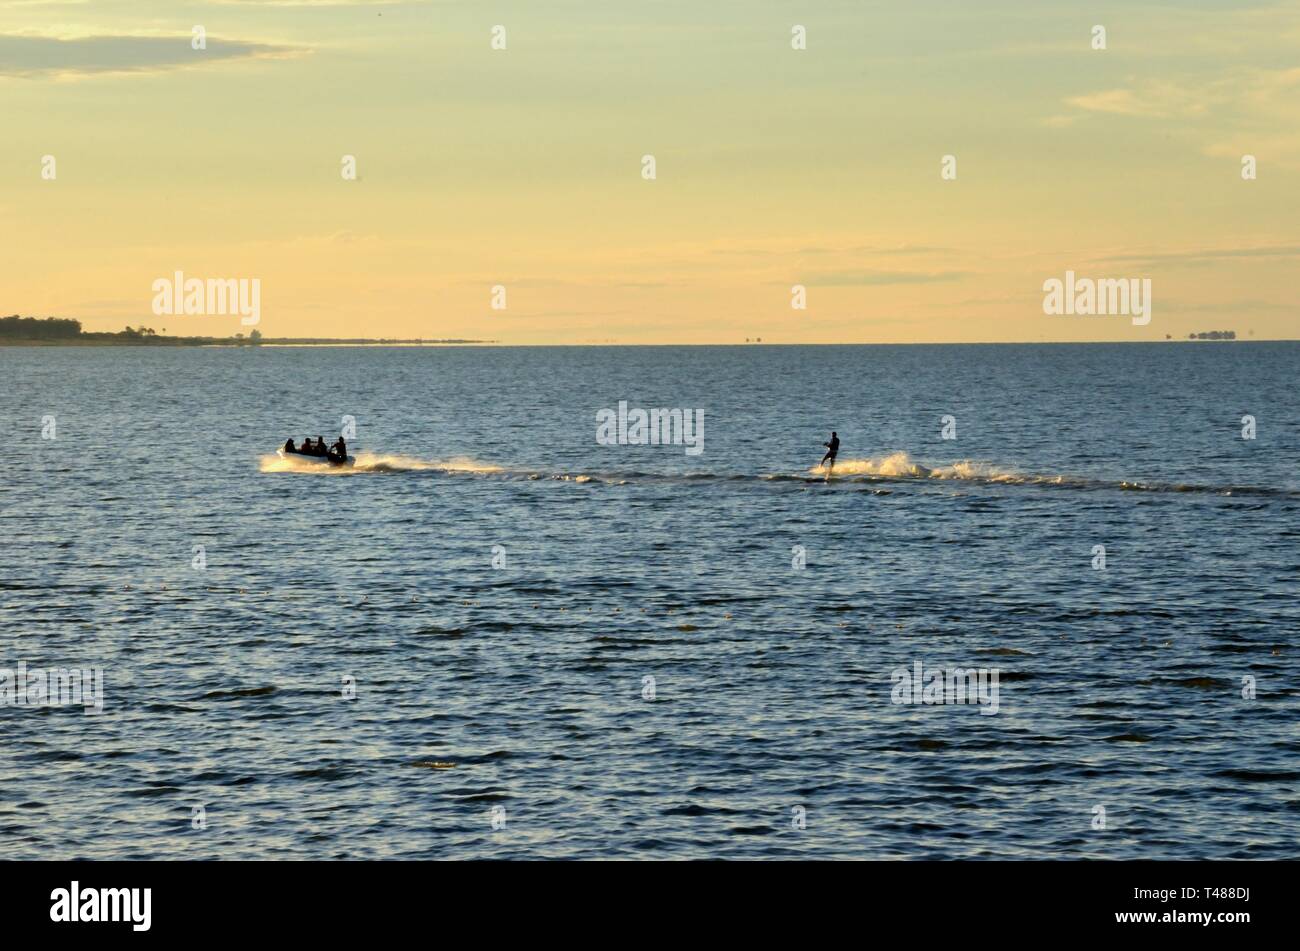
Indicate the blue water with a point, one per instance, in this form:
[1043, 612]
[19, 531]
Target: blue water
[522, 687]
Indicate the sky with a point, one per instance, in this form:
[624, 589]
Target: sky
[522, 168]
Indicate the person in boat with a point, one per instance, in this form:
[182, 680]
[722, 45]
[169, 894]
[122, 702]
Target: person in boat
[288, 445]
[339, 451]
[306, 449]
[320, 447]
[832, 449]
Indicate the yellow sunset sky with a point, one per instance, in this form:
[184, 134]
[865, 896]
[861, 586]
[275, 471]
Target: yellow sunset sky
[522, 167]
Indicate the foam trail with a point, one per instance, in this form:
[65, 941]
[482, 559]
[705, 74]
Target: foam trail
[390, 462]
[899, 465]
[894, 466]
[375, 462]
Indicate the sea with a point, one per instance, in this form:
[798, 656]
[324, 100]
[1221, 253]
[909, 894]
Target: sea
[1044, 606]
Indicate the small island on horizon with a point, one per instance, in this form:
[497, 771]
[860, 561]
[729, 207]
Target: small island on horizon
[63, 331]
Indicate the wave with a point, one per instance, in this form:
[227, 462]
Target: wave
[872, 474]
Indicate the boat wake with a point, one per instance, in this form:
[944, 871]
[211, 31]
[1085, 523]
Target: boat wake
[900, 465]
[876, 474]
[366, 462]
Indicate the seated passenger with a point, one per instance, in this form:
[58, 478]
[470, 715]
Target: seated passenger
[288, 445]
[339, 450]
[320, 446]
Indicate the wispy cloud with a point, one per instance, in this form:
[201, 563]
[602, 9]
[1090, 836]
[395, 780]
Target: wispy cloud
[34, 57]
[879, 249]
[1254, 89]
[848, 278]
[1247, 110]
[315, 3]
[1151, 99]
[1199, 256]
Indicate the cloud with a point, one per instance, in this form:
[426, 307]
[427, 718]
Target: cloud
[1263, 91]
[314, 3]
[1201, 256]
[879, 249]
[879, 278]
[1152, 99]
[35, 57]
[1230, 306]
[1244, 110]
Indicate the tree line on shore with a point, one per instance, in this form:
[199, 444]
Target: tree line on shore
[15, 327]
[54, 330]
[32, 328]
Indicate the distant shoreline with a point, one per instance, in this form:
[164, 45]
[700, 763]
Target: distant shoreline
[116, 340]
[18, 331]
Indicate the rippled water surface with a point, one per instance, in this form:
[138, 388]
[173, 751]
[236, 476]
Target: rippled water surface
[523, 687]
